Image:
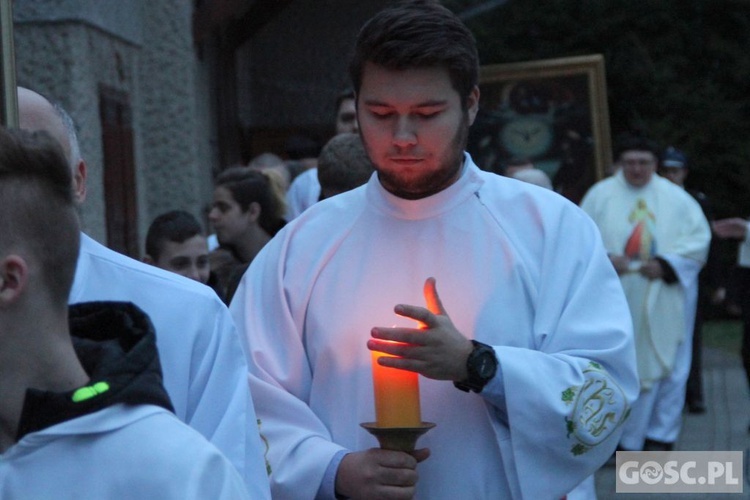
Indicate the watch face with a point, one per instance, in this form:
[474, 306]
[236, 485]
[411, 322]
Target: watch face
[486, 365]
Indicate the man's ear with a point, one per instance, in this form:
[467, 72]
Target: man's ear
[79, 181]
[14, 274]
[472, 104]
[254, 210]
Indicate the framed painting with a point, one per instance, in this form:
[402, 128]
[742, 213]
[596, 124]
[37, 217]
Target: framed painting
[550, 112]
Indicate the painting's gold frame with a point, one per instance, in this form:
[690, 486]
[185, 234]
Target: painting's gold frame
[495, 78]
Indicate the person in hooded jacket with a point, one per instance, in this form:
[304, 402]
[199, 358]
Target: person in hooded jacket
[84, 413]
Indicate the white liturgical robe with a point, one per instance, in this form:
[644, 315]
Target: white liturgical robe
[205, 373]
[303, 193]
[679, 233]
[516, 266]
[123, 452]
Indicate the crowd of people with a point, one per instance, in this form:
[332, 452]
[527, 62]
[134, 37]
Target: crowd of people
[543, 335]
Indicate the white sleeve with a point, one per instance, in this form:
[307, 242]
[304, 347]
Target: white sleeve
[562, 404]
[299, 445]
[219, 401]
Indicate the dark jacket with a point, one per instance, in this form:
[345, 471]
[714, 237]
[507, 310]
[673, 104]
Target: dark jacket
[116, 345]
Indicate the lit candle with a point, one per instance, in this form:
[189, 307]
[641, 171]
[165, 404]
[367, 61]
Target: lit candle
[396, 395]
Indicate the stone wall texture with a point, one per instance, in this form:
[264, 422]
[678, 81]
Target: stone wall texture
[69, 49]
[288, 73]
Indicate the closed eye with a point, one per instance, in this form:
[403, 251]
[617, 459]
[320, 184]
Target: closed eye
[422, 113]
[180, 263]
[381, 113]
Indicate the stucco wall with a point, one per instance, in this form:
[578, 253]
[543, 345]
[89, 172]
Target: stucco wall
[67, 49]
[174, 132]
[55, 59]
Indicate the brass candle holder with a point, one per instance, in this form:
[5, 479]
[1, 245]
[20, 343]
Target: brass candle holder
[397, 438]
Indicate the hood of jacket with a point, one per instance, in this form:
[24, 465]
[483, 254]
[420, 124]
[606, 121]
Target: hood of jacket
[116, 344]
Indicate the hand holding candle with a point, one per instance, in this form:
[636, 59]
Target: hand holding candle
[436, 349]
[399, 422]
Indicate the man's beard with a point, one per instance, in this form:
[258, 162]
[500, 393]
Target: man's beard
[424, 186]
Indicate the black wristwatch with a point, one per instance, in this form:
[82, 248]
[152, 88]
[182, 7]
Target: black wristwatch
[481, 365]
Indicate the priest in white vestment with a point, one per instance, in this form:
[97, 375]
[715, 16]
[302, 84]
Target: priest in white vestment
[657, 238]
[500, 292]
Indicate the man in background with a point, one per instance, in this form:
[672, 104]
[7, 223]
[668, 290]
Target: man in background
[81, 417]
[737, 228]
[657, 240]
[175, 243]
[205, 373]
[674, 166]
[343, 165]
[305, 189]
[533, 176]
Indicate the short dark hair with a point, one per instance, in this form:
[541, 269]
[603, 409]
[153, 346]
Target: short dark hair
[635, 141]
[343, 164]
[251, 186]
[176, 226]
[418, 34]
[37, 208]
